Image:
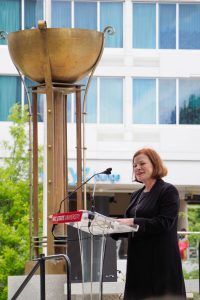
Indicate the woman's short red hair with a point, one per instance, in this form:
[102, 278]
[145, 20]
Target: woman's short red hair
[159, 170]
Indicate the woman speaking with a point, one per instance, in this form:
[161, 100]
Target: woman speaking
[154, 269]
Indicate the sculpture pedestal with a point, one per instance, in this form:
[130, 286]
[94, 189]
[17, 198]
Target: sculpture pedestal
[51, 267]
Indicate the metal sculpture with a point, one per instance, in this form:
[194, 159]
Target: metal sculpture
[56, 58]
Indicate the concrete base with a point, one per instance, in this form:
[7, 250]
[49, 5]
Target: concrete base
[111, 290]
[51, 267]
[56, 288]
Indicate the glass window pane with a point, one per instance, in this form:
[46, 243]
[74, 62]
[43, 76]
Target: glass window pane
[40, 98]
[189, 26]
[144, 101]
[33, 13]
[167, 26]
[144, 25]
[91, 104]
[111, 100]
[91, 100]
[112, 15]
[61, 14]
[85, 15]
[10, 93]
[167, 101]
[10, 16]
[189, 101]
[69, 108]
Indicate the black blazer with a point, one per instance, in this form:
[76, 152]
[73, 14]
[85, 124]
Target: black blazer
[153, 260]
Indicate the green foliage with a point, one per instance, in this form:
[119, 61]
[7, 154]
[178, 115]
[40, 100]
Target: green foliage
[196, 296]
[194, 224]
[14, 201]
[17, 163]
[194, 239]
[194, 274]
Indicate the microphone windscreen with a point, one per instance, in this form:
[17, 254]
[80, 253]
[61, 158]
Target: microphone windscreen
[108, 171]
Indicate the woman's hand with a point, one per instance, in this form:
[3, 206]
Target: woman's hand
[126, 221]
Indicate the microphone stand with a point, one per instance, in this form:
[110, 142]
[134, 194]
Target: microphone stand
[93, 200]
[107, 171]
[91, 213]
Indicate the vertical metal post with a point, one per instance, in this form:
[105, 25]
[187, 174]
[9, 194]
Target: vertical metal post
[199, 265]
[50, 165]
[35, 172]
[42, 277]
[65, 149]
[60, 159]
[79, 149]
[50, 133]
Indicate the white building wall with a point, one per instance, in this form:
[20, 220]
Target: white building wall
[113, 145]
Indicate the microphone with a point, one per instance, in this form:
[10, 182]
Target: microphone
[107, 172]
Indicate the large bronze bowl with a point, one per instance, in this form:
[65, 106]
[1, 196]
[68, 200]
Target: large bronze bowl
[71, 53]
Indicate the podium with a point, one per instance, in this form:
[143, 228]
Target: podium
[93, 229]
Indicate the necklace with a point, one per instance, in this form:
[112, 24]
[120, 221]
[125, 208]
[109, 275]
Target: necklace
[142, 196]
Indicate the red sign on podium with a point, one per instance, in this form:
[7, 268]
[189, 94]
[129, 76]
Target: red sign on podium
[72, 216]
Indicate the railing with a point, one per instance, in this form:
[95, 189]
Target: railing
[41, 263]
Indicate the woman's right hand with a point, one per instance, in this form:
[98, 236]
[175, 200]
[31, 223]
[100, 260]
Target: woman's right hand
[126, 221]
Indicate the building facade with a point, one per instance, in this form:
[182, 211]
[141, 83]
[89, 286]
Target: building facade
[145, 91]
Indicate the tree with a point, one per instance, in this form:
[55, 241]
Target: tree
[14, 200]
[194, 223]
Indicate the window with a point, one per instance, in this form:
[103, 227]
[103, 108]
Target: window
[85, 15]
[167, 26]
[69, 108]
[10, 16]
[33, 12]
[112, 15]
[111, 100]
[104, 100]
[167, 101]
[91, 102]
[93, 15]
[144, 25]
[10, 93]
[189, 26]
[144, 101]
[189, 101]
[40, 104]
[61, 14]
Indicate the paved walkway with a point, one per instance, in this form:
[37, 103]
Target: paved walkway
[192, 285]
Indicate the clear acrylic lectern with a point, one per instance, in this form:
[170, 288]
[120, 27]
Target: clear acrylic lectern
[93, 229]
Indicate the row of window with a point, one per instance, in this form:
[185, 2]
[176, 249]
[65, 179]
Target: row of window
[162, 26]
[178, 26]
[154, 101]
